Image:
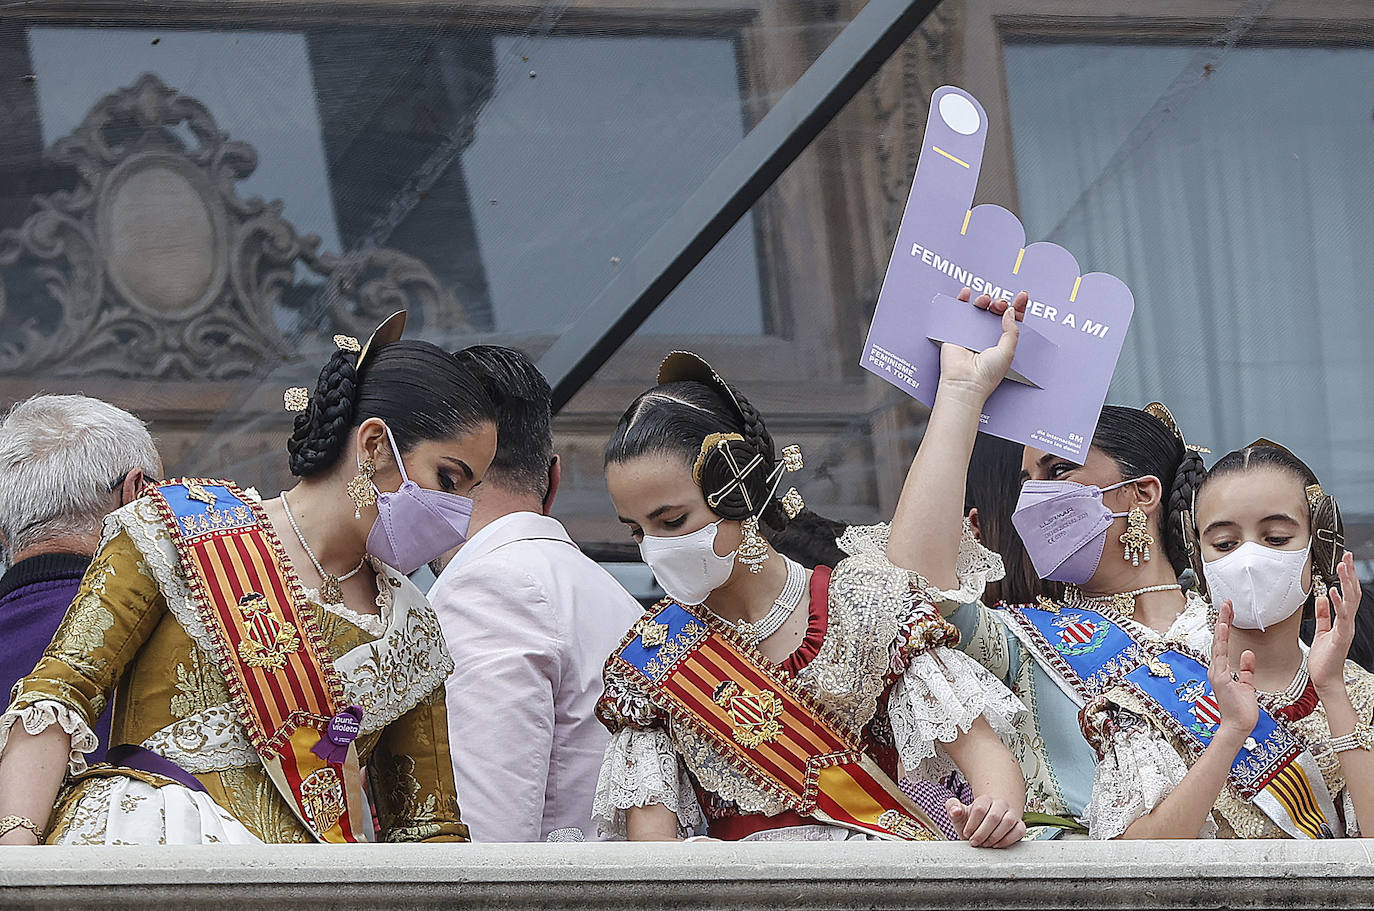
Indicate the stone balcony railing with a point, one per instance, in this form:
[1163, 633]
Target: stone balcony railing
[1069, 875]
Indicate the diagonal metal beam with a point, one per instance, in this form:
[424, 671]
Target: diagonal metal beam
[731, 189]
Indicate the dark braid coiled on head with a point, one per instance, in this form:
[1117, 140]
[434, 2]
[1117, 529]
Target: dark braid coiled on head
[322, 428]
[674, 418]
[756, 435]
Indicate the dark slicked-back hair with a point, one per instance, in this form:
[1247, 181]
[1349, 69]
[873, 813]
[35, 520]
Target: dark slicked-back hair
[524, 440]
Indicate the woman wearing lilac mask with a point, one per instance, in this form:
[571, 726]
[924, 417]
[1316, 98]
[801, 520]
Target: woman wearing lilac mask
[1105, 527]
[1270, 551]
[266, 653]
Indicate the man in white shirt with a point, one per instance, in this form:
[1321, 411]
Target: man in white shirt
[529, 621]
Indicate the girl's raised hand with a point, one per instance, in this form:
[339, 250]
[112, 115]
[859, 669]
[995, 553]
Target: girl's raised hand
[1235, 690]
[1335, 629]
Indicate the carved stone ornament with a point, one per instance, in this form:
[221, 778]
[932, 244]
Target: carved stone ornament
[154, 267]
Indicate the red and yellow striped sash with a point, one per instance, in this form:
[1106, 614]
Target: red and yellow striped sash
[772, 733]
[269, 648]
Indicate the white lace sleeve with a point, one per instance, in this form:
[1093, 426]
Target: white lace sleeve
[1138, 769]
[938, 697]
[974, 568]
[642, 768]
[38, 716]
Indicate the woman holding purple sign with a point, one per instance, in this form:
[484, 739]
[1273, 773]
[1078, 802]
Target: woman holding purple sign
[1107, 528]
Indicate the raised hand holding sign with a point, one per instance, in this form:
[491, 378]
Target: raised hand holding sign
[1074, 323]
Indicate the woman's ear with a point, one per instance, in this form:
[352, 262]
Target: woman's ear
[1147, 493]
[370, 440]
[974, 524]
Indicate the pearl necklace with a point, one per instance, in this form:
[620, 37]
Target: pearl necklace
[1121, 602]
[1296, 688]
[787, 601]
[331, 587]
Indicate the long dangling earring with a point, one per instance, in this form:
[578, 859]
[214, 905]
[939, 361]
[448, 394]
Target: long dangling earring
[1137, 540]
[360, 489]
[753, 549]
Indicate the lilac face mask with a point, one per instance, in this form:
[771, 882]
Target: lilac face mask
[415, 524]
[1064, 527]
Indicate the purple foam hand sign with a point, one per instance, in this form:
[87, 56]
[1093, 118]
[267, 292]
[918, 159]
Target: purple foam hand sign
[1075, 323]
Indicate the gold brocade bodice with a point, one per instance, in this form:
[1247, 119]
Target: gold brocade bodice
[133, 632]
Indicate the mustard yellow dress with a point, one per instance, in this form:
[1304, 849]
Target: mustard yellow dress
[132, 635]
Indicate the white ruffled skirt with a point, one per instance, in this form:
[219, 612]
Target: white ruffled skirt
[120, 810]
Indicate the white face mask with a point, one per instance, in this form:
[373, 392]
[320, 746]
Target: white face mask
[1263, 583]
[687, 566]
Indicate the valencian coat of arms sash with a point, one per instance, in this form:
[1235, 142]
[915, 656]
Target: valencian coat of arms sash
[1094, 654]
[281, 678]
[771, 733]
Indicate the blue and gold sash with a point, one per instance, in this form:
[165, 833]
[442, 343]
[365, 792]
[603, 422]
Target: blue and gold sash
[1092, 652]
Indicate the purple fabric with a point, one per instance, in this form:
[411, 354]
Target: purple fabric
[140, 759]
[1064, 528]
[34, 596]
[931, 796]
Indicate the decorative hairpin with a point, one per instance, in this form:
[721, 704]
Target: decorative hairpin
[347, 343]
[1161, 412]
[297, 398]
[713, 441]
[792, 503]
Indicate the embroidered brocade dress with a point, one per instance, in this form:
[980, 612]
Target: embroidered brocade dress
[1141, 764]
[133, 635]
[875, 655]
[1059, 764]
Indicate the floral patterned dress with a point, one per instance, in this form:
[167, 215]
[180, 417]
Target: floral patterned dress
[1140, 763]
[133, 635]
[876, 655]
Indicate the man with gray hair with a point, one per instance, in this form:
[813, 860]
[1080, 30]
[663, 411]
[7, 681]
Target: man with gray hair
[65, 462]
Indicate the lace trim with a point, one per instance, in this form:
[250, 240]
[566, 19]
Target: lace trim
[208, 741]
[940, 695]
[641, 768]
[38, 716]
[974, 567]
[867, 596]
[375, 625]
[389, 677]
[1137, 770]
[140, 520]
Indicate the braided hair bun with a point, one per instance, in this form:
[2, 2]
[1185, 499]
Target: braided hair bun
[322, 428]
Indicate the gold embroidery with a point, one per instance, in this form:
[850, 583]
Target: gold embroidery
[268, 641]
[199, 687]
[195, 491]
[322, 798]
[904, 826]
[754, 715]
[82, 633]
[254, 801]
[652, 633]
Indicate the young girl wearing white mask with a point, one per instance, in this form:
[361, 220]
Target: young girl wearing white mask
[1269, 543]
[780, 703]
